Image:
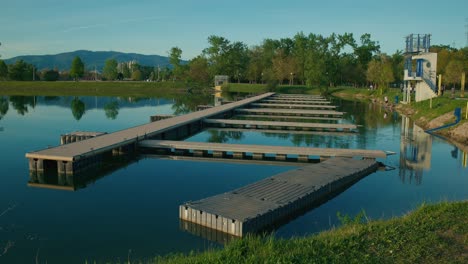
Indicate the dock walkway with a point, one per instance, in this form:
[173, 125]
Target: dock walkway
[73, 157]
[295, 112]
[282, 101]
[294, 106]
[240, 151]
[263, 203]
[255, 124]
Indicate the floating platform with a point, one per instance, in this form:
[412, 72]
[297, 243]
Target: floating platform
[79, 156]
[282, 101]
[279, 117]
[255, 124]
[291, 112]
[259, 152]
[262, 204]
[293, 106]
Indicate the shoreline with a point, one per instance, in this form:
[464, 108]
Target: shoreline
[457, 135]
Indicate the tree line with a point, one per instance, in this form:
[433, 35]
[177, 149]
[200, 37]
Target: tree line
[312, 60]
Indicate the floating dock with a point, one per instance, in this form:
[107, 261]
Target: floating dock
[282, 101]
[293, 106]
[279, 117]
[259, 152]
[79, 156]
[255, 124]
[290, 112]
[262, 204]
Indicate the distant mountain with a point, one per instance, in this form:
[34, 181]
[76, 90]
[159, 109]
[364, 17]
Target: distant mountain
[91, 59]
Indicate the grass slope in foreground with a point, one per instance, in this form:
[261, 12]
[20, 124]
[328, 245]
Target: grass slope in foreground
[431, 234]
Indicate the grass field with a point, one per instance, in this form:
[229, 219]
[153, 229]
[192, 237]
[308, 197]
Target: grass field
[82, 88]
[431, 234]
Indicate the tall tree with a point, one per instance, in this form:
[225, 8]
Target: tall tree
[3, 70]
[175, 56]
[198, 70]
[380, 72]
[21, 71]
[453, 73]
[110, 69]
[366, 50]
[77, 68]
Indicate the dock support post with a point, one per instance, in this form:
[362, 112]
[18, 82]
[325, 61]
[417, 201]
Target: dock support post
[217, 154]
[198, 153]
[257, 156]
[280, 157]
[238, 155]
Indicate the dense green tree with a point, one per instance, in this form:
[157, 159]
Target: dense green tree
[255, 67]
[284, 67]
[380, 72]
[77, 68]
[3, 70]
[21, 71]
[175, 56]
[126, 71]
[198, 70]
[453, 73]
[50, 75]
[137, 76]
[110, 69]
[366, 50]
[300, 53]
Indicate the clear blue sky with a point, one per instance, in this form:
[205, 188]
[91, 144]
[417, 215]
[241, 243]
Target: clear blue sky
[32, 27]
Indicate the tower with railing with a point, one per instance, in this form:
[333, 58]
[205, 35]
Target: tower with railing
[420, 69]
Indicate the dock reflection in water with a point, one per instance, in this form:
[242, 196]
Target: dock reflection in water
[74, 182]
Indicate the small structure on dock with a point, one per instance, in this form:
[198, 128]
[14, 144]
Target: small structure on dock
[420, 68]
[219, 81]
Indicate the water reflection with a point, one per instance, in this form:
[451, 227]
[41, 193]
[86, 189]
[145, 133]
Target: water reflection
[112, 110]
[181, 103]
[415, 151]
[21, 103]
[4, 106]
[75, 182]
[78, 108]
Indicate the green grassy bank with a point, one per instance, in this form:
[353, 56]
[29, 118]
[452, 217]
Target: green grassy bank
[431, 234]
[85, 88]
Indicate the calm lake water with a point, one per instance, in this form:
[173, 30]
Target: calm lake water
[132, 213]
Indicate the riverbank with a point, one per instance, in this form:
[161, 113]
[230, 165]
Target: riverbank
[92, 88]
[430, 234]
[425, 115]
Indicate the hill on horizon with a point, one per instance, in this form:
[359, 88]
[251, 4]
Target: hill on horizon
[91, 59]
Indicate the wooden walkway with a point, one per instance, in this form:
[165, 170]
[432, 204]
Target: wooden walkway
[255, 124]
[298, 97]
[264, 203]
[295, 106]
[295, 112]
[279, 117]
[282, 101]
[68, 156]
[242, 151]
